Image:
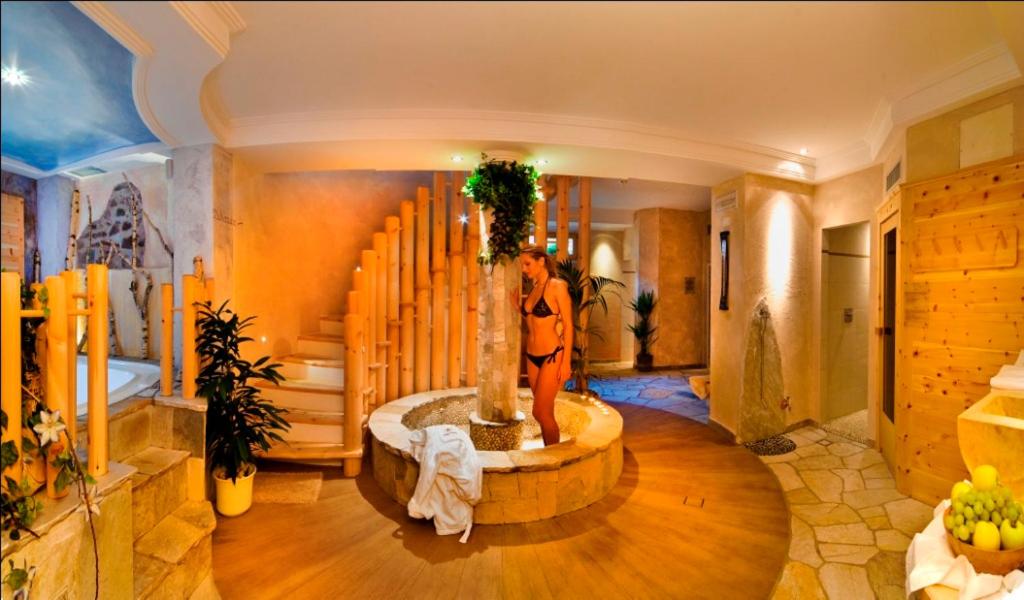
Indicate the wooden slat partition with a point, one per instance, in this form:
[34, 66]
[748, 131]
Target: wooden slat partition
[456, 261]
[407, 296]
[583, 248]
[540, 219]
[380, 320]
[438, 374]
[472, 289]
[422, 347]
[562, 223]
[962, 273]
[353, 433]
[391, 230]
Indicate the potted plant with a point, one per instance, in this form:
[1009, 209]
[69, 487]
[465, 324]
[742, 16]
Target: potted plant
[643, 329]
[586, 293]
[238, 421]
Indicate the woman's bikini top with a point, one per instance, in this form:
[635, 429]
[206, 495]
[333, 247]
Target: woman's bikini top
[541, 308]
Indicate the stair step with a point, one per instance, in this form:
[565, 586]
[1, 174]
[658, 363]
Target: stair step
[310, 450]
[313, 368]
[173, 558]
[332, 324]
[303, 394]
[159, 486]
[322, 344]
[315, 417]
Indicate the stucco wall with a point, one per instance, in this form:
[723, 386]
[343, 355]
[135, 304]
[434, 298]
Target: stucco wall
[606, 261]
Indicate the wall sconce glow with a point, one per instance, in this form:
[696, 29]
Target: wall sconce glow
[803, 152]
[541, 162]
[14, 76]
[456, 158]
[358, 268]
[779, 255]
[464, 218]
[263, 339]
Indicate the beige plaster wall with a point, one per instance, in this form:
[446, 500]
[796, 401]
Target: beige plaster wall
[298, 242]
[933, 146]
[606, 261]
[672, 246]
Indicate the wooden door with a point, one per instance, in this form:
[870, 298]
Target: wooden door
[12, 233]
[888, 291]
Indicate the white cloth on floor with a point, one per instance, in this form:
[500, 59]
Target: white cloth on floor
[450, 481]
[930, 561]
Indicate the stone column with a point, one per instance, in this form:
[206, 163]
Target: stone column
[200, 218]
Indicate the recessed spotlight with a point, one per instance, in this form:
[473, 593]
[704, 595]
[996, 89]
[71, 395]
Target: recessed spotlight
[14, 76]
[463, 218]
[541, 162]
[263, 339]
[456, 158]
[803, 152]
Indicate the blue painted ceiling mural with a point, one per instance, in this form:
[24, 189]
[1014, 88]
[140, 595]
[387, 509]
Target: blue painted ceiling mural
[77, 100]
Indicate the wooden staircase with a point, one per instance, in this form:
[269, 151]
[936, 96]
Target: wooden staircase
[314, 394]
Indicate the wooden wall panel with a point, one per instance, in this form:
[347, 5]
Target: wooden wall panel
[962, 314]
[12, 236]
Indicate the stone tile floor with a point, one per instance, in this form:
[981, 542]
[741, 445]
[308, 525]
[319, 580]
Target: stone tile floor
[850, 526]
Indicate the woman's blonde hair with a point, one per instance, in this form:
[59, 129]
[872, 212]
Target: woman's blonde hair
[540, 253]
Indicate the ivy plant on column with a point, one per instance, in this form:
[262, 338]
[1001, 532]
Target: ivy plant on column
[506, 193]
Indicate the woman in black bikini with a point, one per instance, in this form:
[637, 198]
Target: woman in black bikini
[548, 352]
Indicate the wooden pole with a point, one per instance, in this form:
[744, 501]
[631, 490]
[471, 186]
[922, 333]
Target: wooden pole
[380, 248]
[98, 346]
[166, 339]
[583, 253]
[392, 226]
[438, 374]
[369, 266]
[406, 296]
[422, 352]
[353, 422]
[72, 280]
[562, 231]
[456, 259]
[56, 373]
[540, 220]
[189, 358]
[472, 291]
[10, 366]
[357, 304]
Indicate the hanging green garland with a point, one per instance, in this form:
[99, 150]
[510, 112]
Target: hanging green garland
[510, 190]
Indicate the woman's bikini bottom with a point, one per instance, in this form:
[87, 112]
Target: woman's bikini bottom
[540, 359]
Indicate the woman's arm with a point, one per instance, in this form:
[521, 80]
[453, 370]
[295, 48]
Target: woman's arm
[568, 331]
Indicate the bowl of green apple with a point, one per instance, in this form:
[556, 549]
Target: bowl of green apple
[985, 523]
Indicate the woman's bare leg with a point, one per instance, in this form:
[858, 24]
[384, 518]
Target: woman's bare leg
[544, 391]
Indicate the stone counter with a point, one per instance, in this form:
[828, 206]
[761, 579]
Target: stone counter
[518, 485]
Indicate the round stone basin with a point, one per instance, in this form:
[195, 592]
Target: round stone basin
[529, 484]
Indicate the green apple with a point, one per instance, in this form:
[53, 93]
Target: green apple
[984, 478]
[1013, 537]
[986, 536]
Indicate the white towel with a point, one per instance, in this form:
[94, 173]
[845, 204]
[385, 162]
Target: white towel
[930, 561]
[450, 480]
[1009, 377]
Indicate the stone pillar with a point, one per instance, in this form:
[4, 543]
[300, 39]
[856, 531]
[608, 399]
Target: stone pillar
[54, 212]
[201, 222]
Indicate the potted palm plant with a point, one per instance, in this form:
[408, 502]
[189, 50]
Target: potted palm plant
[586, 293]
[238, 421]
[644, 329]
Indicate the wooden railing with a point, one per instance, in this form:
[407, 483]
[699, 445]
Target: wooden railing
[58, 363]
[194, 290]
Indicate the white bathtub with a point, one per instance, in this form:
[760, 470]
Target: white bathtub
[125, 378]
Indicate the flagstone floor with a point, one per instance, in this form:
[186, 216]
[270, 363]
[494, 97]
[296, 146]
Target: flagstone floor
[850, 526]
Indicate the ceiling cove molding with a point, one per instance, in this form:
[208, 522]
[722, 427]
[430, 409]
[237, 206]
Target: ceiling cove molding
[332, 126]
[985, 70]
[213, 21]
[17, 166]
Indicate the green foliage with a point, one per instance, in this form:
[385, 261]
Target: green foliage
[238, 421]
[17, 577]
[643, 305]
[595, 288]
[510, 190]
[19, 508]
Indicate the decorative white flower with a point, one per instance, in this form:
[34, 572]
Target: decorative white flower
[93, 501]
[49, 427]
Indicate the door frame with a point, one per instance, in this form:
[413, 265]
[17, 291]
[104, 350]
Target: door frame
[888, 219]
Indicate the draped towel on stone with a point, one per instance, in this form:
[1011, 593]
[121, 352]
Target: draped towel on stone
[450, 480]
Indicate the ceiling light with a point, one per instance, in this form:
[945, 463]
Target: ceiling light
[14, 76]
[541, 162]
[456, 158]
[463, 218]
[803, 152]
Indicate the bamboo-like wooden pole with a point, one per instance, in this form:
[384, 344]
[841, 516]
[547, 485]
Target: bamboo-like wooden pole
[422, 352]
[406, 296]
[583, 252]
[56, 373]
[353, 422]
[71, 285]
[472, 291]
[98, 346]
[369, 267]
[438, 374]
[562, 231]
[456, 260]
[380, 320]
[540, 220]
[189, 358]
[166, 339]
[392, 226]
[10, 366]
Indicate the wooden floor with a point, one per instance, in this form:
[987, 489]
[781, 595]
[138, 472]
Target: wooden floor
[641, 541]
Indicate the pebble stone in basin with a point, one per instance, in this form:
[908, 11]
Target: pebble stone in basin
[991, 432]
[518, 485]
